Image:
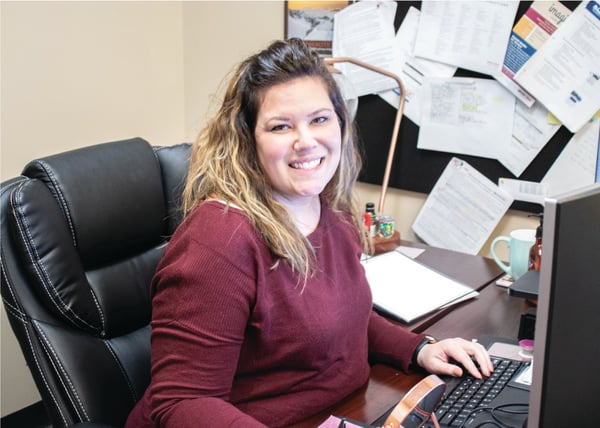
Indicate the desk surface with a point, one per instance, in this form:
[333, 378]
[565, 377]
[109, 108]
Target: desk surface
[475, 271]
[493, 312]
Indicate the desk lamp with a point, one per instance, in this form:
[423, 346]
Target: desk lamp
[353, 104]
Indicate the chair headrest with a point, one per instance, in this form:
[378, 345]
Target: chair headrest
[110, 194]
[88, 222]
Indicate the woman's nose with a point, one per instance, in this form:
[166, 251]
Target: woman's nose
[304, 140]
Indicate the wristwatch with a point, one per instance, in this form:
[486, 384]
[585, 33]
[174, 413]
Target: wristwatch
[426, 341]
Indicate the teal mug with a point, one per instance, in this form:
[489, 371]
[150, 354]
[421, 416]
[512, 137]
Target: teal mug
[519, 243]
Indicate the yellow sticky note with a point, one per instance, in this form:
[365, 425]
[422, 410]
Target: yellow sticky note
[553, 120]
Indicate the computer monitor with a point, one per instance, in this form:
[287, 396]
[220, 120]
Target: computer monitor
[565, 390]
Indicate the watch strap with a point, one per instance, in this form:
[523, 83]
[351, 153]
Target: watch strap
[426, 341]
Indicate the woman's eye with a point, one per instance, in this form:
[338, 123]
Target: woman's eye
[320, 119]
[277, 128]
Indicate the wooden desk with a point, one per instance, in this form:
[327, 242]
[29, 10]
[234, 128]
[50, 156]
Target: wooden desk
[493, 312]
[475, 271]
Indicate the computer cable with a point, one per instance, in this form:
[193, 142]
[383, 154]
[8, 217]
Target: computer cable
[496, 420]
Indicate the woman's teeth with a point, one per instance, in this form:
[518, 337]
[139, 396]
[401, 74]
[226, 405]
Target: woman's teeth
[306, 165]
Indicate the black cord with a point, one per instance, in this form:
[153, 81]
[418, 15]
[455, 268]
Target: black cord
[497, 421]
[489, 422]
[506, 408]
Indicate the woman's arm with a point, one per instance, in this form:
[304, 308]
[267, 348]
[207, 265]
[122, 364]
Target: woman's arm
[391, 343]
[201, 305]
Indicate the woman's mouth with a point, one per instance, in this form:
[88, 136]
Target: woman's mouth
[306, 165]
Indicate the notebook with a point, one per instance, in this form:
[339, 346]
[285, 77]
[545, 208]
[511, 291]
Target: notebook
[406, 289]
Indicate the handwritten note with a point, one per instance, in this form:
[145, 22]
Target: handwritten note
[411, 69]
[467, 116]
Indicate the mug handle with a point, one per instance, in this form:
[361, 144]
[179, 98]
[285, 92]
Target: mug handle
[499, 262]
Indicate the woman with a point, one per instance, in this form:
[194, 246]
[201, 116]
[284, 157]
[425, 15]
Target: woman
[261, 312]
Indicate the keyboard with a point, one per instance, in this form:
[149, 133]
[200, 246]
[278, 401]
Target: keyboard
[466, 394]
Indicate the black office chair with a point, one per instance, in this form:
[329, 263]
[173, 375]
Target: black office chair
[82, 233]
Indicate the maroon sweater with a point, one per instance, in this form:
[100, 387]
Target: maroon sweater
[236, 342]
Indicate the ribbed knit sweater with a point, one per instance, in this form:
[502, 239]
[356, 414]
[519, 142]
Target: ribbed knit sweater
[239, 342]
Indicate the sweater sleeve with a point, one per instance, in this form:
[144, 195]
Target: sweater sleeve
[391, 343]
[201, 301]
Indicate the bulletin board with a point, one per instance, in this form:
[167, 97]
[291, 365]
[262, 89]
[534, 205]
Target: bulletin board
[418, 170]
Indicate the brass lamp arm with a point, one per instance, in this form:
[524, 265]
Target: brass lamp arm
[388, 167]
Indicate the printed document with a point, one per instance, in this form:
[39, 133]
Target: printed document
[575, 167]
[526, 191]
[564, 74]
[462, 210]
[412, 70]
[469, 34]
[365, 31]
[531, 132]
[531, 32]
[407, 289]
[466, 115]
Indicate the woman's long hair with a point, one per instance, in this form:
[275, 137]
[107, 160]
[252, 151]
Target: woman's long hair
[224, 163]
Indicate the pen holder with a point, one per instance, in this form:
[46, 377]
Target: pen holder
[383, 245]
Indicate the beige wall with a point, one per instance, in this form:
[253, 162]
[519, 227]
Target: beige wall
[80, 73]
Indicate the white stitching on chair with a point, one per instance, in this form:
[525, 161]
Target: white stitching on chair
[59, 368]
[67, 213]
[41, 372]
[100, 311]
[61, 198]
[14, 309]
[37, 264]
[23, 319]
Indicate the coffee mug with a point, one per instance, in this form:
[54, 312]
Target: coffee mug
[519, 243]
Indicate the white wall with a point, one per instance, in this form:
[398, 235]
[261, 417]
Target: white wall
[79, 73]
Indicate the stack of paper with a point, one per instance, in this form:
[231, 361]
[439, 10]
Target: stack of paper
[407, 290]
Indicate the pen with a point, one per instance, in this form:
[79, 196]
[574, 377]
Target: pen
[342, 423]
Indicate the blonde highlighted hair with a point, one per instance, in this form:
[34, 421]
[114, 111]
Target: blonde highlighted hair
[224, 163]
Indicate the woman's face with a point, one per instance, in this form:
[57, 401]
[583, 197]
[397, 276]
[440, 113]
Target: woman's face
[298, 138]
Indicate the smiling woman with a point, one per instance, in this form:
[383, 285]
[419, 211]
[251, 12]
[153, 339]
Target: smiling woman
[255, 322]
[298, 140]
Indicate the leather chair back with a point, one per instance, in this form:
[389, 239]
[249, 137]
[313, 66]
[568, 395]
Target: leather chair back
[82, 233]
